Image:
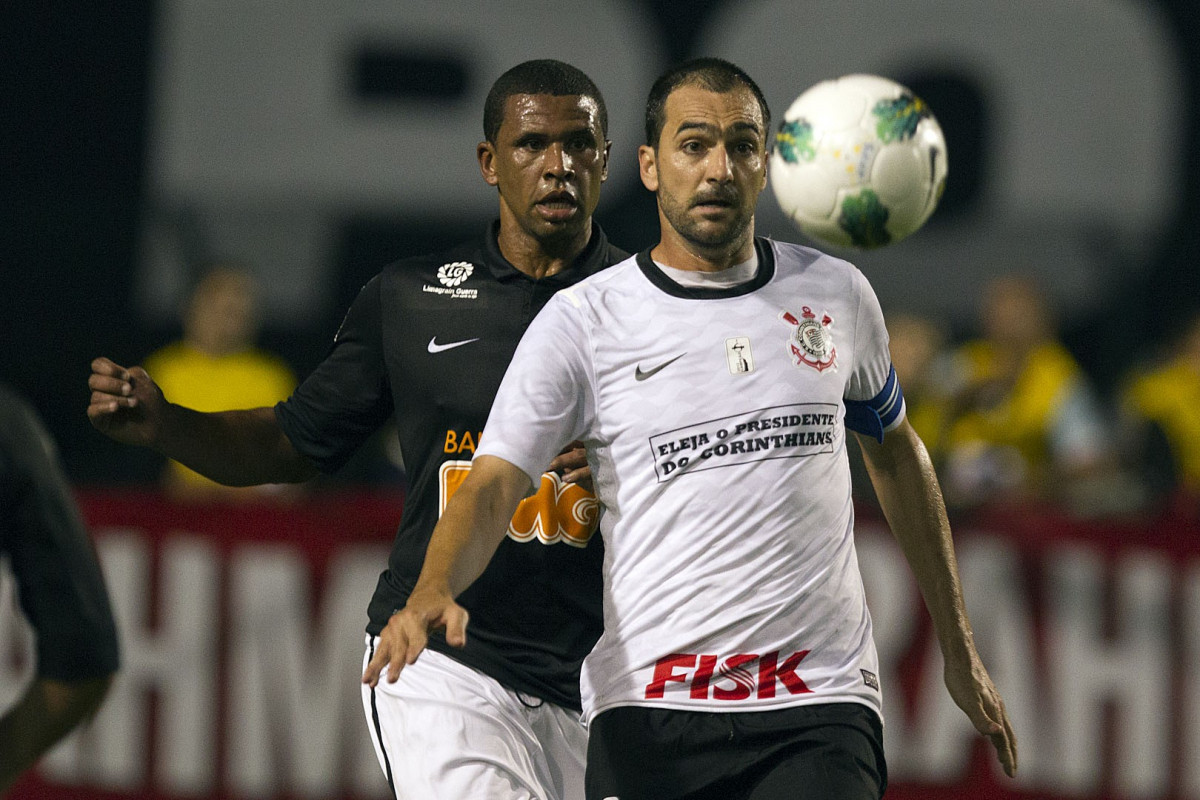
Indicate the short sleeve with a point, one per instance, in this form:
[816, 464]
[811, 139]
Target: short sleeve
[873, 398]
[545, 400]
[347, 397]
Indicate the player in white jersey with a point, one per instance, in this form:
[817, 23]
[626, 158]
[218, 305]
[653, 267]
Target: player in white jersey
[713, 379]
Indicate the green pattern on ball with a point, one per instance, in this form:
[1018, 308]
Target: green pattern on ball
[795, 141]
[864, 218]
[897, 119]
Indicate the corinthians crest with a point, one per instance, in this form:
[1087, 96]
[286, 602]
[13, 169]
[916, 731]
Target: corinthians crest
[811, 341]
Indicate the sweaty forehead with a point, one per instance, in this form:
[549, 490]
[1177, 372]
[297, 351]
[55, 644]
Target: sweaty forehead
[549, 112]
[691, 105]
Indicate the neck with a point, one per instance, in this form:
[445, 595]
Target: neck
[214, 348]
[541, 258]
[676, 251]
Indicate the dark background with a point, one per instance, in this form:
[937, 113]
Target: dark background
[74, 97]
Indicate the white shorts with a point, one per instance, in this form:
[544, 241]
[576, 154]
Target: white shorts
[444, 731]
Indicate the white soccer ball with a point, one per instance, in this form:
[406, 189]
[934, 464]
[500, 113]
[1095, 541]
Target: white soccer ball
[859, 161]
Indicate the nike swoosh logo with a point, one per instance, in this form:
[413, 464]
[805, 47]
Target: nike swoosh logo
[641, 374]
[434, 347]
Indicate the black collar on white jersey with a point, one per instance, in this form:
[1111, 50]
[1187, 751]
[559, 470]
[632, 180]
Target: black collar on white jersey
[590, 261]
[766, 271]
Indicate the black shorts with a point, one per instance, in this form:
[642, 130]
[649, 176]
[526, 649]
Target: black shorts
[822, 752]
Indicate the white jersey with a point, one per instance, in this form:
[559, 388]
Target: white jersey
[715, 426]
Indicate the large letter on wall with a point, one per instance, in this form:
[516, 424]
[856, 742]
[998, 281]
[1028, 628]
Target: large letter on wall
[295, 717]
[1131, 670]
[176, 659]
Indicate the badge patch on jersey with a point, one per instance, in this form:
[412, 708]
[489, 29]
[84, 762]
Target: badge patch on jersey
[739, 355]
[450, 276]
[811, 342]
[454, 273]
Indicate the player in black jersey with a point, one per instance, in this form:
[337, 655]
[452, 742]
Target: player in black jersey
[60, 588]
[427, 342]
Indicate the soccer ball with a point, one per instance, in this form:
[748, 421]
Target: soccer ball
[859, 161]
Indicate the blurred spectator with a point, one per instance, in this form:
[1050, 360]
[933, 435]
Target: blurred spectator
[920, 354]
[1164, 403]
[216, 366]
[922, 359]
[60, 589]
[1026, 422]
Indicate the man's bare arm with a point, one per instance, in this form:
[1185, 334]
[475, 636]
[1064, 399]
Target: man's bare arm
[908, 491]
[237, 448]
[463, 542]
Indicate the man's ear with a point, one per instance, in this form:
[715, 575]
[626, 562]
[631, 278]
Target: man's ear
[648, 167]
[607, 155]
[486, 153]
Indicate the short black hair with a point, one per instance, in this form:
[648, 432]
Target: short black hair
[713, 74]
[540, 76]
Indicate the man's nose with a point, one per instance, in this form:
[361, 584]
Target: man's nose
[719, 167]
[559, 164]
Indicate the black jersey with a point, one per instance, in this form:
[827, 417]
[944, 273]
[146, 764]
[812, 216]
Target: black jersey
[59, 582]
[427, 341]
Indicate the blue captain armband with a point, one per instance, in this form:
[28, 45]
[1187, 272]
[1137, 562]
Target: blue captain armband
[879, 414]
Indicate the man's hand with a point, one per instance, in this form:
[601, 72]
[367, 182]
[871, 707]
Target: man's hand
[972, 689]
[465, 538]
[126, 404]
[571, 463]
[407, 632]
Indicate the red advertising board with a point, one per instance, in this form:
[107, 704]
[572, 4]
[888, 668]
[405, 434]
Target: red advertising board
[242, 632]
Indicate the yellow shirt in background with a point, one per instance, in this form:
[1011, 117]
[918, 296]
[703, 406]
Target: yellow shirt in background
[194, 379]
[1170, 397]
[1023, 418]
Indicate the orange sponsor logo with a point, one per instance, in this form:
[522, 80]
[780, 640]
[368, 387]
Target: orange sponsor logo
[558, 512]
[460, 444]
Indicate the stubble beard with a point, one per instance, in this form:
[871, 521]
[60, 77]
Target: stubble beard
[706, 235]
